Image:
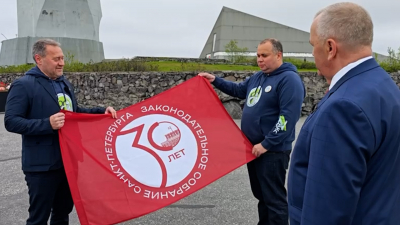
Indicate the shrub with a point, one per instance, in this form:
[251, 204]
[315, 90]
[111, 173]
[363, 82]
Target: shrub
[392, 63]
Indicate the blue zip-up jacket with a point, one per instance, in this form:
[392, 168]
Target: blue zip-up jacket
[31, 101]
[272, 107]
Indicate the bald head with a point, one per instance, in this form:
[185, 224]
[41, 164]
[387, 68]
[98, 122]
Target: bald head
[347, 23]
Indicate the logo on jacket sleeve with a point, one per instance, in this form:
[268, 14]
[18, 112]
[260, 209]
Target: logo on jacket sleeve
[280, 125]
[254, 96]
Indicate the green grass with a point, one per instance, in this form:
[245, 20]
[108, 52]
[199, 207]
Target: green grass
[168, 66]
[128, 65]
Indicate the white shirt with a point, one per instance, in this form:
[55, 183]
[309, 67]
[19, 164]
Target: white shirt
[346, 69]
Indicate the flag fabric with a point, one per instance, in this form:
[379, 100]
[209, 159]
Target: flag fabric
[155, 153]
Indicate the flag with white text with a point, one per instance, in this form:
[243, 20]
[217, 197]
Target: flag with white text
[155, 153]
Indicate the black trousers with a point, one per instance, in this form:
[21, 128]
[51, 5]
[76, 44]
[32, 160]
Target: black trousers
[267, 180]
[49, 194]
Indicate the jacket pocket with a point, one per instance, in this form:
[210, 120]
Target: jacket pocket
[38, 140]
[39, 150]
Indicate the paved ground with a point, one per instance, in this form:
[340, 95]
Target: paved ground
[227, 201]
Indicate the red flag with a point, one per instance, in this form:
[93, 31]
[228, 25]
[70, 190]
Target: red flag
[155, 153]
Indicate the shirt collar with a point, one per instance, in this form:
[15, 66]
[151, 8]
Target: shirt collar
[346, 69]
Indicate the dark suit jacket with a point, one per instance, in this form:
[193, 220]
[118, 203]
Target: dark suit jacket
[345, 167]
[30, 103]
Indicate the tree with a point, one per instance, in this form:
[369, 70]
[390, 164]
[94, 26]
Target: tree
[235, 53]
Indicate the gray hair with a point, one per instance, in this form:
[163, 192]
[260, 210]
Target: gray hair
[276, 44]
[346, 22]
[39, 47]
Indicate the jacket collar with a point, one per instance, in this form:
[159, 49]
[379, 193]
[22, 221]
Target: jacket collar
[362, 67]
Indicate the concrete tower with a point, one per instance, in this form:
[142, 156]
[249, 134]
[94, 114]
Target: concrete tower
[73, 23]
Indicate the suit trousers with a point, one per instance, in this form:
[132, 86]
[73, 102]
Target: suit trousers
[49, 194]
[267, 175]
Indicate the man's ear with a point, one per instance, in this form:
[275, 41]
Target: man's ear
[331, 48]
[38, 59]
[280, 55]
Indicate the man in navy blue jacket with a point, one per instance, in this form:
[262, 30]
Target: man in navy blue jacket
[33, 110]
[274, 97]
[345, 167]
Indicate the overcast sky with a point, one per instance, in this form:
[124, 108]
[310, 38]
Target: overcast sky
[180, 28]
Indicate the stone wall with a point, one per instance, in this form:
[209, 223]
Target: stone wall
[126, 88]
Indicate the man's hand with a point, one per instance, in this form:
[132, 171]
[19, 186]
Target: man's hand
[258, 150]
[208, 76]
[112, 111]
[57, 120]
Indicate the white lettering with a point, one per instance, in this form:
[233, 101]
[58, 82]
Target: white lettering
[110, 157]
[204, 138]
[180, 113]
[165, 108]
[155, 194]
[112, 166]
[122, 178]
[193, 181]
[109, 150]
[198, 175]
[185, 186]
[146, 194]
[173, 110]
[109, 133]
[109, 138]
[202, 166]
[164, 195]
[137, 189]
[201, 131]
[186, 117]
[193, 122]
[114, 125]
[128, 115]
[172, 193]
[180, 191]
[118, 172]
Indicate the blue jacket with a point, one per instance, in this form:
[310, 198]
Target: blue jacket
[31, 101]
[345, 167]
[272, 108]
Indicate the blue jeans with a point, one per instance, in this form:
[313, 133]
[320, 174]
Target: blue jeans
[267, 180]
[49, 193]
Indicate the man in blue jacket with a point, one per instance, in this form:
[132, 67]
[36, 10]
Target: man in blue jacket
[345, 167]
[33, 110]
[274, 97]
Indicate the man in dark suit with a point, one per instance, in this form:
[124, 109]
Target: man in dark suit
[33, 110]
[345, 167]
